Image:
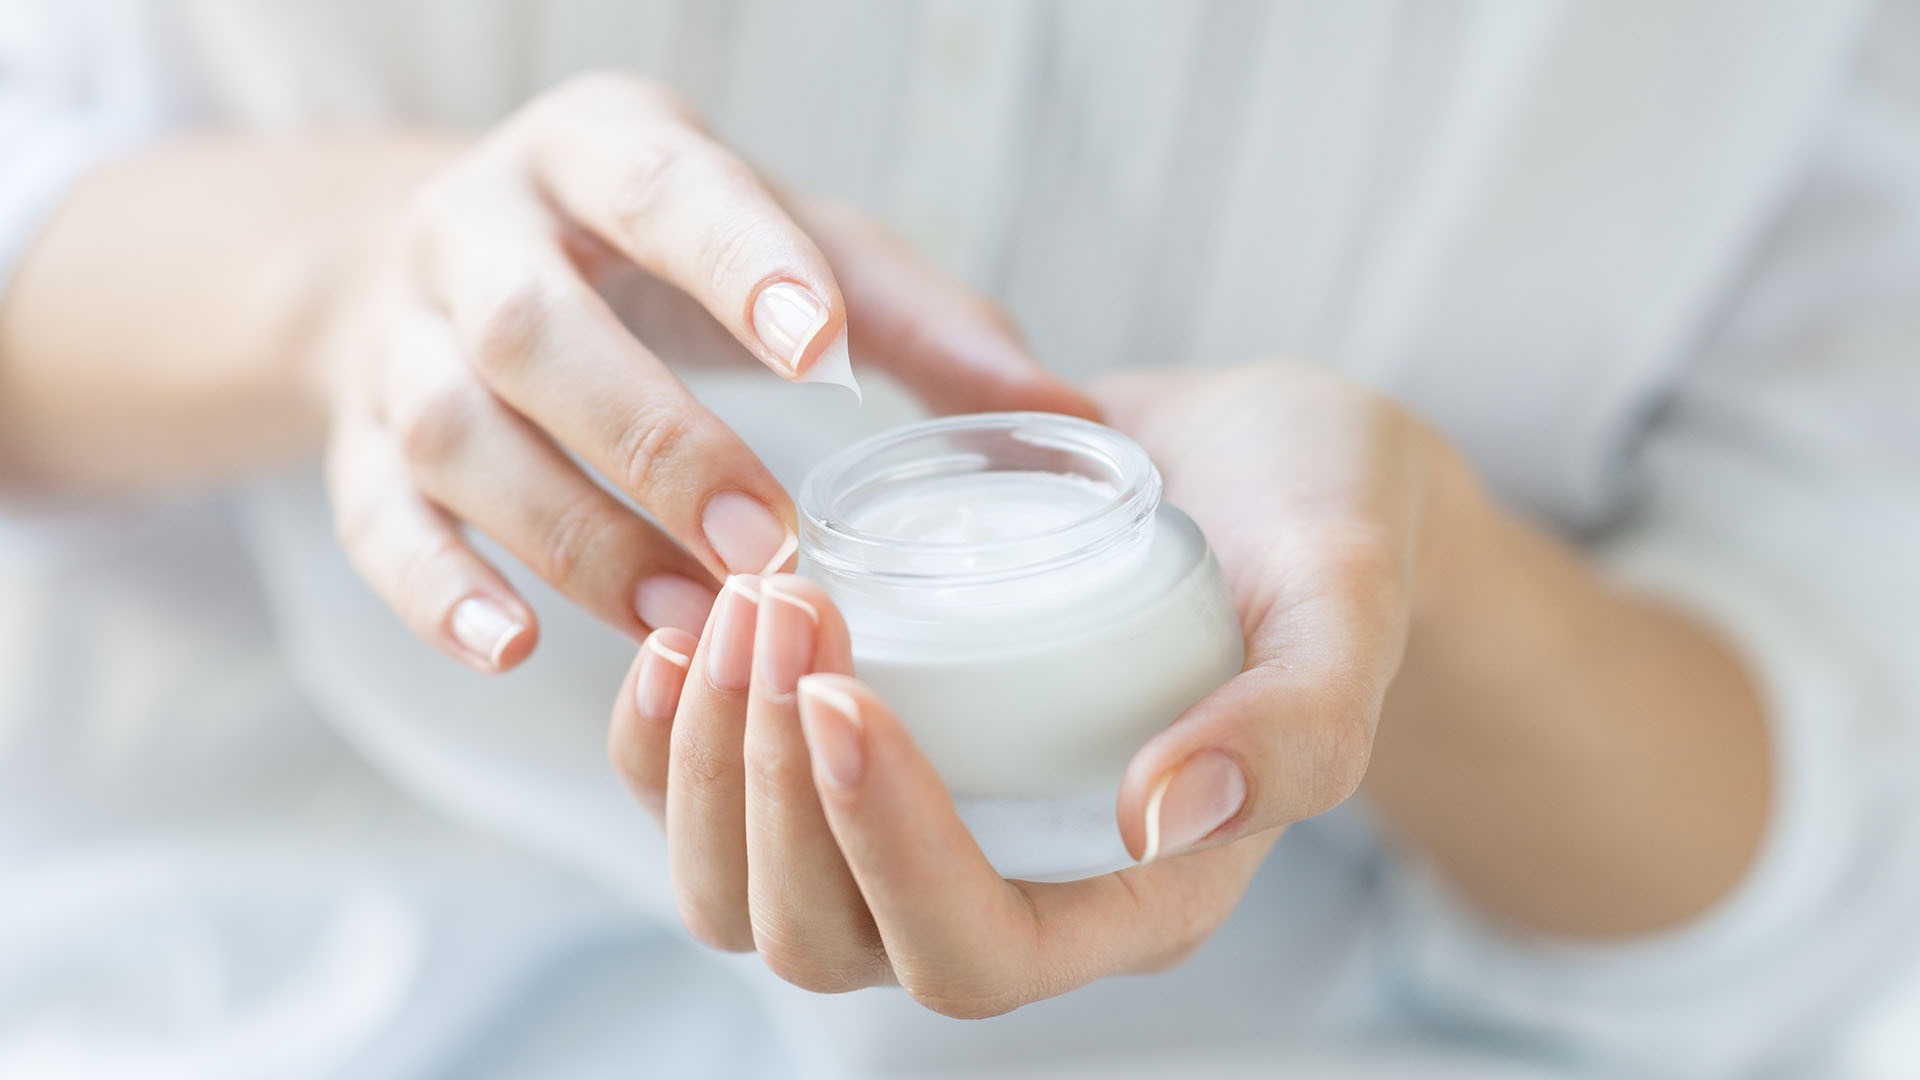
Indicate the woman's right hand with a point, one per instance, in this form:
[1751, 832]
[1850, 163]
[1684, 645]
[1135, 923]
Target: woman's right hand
[474, 374]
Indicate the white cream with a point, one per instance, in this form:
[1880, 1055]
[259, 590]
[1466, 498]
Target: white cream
[978, 508]
[1016, 590]
[834, 367]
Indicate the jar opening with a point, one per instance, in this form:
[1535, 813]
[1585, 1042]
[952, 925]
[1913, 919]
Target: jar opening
[975, 500]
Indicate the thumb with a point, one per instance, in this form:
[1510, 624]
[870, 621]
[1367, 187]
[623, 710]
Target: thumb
[954, 349]
[1286, 739]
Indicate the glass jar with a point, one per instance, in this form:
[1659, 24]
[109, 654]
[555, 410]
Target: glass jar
[1020, 595]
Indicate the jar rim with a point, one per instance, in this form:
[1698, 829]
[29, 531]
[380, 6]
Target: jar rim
[836, 546]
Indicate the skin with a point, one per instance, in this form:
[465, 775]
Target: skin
[431, 315]
[446, 322]
[1576, 759]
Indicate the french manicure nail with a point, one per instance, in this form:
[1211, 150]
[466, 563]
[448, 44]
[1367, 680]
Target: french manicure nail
[787, 317]
[671, 601]
[663, 672]
[730, 653]
[746, 535]
[789, 623]
[830, 721]
[1193, 800]
[484, 628]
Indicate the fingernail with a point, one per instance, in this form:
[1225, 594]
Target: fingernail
[663, 672]
[787, 317]
[789, 622]
[746, 535]
[830, 720]
[730, 653]
[1192, 801]
[484, 628]
[671, 601]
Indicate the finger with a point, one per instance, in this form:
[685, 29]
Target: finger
[810, 924]
[544, 341]
[952, 927]
[1290, 736]
[963, 941]
[487, 465]
[415, 558]
[956, 350]
[629, 162]
[638, 737]
[706, 782]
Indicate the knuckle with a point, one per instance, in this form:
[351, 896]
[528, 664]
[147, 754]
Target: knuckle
[443, 210]
[656, 171]
[965, 1004]
[715, 932]
[652, 451]
[434, 428]
[968, 989]
[735, 251]
[804, 969]
[769, 768]
[518, 321]
[578, 533]
[702, 766]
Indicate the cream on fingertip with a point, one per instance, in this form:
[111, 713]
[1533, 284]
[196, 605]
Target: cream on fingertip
[834, 366]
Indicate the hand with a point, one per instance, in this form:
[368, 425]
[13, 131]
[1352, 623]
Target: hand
[1329, 507]
[475, 373]
[802, 821]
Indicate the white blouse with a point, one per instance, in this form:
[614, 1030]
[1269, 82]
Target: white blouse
[1656, 268]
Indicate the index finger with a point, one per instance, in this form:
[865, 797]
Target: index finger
[628, 161]
[546, 342]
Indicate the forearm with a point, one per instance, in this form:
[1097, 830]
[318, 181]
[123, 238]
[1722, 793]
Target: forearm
[1574, 758]
[163, 327]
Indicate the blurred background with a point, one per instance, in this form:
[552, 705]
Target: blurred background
[1655, 269]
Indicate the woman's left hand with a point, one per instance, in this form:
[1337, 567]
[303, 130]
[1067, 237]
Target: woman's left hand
[803, 822]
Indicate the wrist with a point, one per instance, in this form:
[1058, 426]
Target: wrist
[1461, 531]
[1488, 611]
[1496, 609]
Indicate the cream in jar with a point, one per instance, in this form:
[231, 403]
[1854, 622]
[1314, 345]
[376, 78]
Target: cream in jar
[1018, 592]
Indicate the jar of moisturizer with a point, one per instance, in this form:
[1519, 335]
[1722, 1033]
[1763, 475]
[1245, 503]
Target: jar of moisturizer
[1019, 594]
